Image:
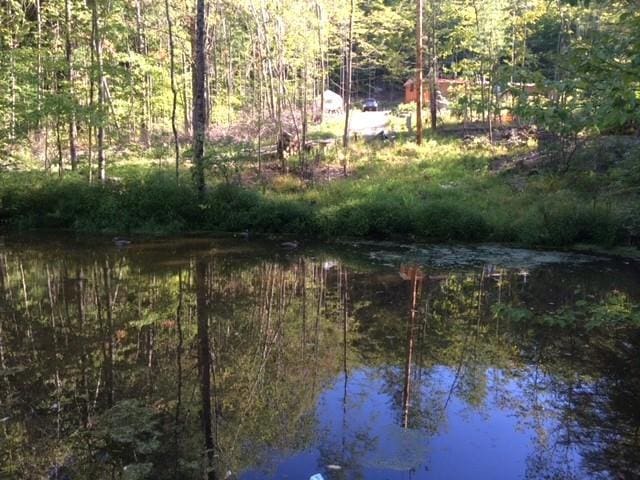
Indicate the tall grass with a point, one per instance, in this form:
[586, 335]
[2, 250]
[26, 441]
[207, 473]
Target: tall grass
[442, 191]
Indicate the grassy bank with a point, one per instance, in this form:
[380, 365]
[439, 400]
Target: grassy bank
[445, 190]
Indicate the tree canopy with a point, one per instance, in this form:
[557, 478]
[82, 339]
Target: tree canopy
[80, 78]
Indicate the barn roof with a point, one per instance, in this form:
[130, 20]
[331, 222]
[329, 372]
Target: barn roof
[411, 81]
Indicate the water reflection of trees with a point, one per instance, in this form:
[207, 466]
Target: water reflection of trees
[563, 374]
[78, 338]
[81, 338]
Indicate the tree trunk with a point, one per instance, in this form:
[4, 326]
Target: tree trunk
[263, 39]
[321, 53]
[204, 363]
[419, 70]
[142, 50]
[59, 147]
[73, 131]
[199, 100]
[481, 72]
[347, 94]
[174, 89]
[39, 71]
[12, 73]
[229, 65]
[47, 163]
[303, 143]
[97, 43]
[90, 123]
[185, 102]
[281, 90]
[406, 391]
[433, 105]
[259, 73]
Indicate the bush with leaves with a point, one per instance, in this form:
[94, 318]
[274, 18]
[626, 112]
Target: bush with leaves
[126, 440]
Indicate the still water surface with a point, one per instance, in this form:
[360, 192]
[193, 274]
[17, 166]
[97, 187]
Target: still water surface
[353, 361]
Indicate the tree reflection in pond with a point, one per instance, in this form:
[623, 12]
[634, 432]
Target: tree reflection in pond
[156, 361]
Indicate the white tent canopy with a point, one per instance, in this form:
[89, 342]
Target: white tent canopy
[332, 102]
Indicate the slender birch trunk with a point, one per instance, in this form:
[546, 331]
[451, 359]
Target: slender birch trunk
[73, 130]
[174, 88]
[97, 45]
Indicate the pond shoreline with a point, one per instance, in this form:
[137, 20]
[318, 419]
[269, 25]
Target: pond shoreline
[304, 244]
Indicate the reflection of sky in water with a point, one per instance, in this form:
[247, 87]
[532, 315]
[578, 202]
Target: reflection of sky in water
[512, 433]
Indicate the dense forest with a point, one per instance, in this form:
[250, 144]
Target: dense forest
[130, 91]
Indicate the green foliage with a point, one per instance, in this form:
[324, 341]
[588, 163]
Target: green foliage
[128, 430]
[511, 313]
[137, 471]
[152, 204]
[448, 220]
[403, 109]
[126, 438]
[226, 159]
[442, 191]
[598, 90]
[561, 222]
[615, 310]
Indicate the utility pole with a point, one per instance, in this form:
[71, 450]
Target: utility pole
[419, 70]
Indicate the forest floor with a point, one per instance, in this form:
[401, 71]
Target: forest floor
[457, 186]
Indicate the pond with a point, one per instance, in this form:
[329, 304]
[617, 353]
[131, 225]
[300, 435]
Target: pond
[374, 361]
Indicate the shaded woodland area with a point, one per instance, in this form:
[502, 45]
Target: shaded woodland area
[81, 81]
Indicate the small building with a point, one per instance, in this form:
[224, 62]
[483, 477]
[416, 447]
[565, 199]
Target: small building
[528, 88]
[445, 86]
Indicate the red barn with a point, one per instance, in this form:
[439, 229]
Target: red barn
[529, 88]
[445, 85]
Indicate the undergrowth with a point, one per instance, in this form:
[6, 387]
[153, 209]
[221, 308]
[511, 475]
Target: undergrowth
[441, 191]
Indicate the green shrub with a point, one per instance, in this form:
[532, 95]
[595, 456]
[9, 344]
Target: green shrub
[441, 220]
[566, 224]
[343, 220]
[285, 216]
[229, 208]
[439, 191]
